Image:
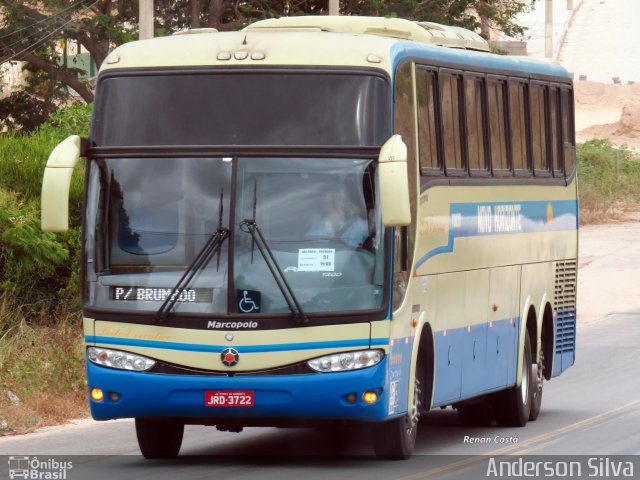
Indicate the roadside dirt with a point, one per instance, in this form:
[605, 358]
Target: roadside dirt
[608, 276]
[608, 111]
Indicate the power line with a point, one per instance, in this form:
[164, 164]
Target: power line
[47, 19]
[27, 36]
[35, 44]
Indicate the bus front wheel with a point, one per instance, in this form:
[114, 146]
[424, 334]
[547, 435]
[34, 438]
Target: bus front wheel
[159, 437]
[395, 439]
[512, 407]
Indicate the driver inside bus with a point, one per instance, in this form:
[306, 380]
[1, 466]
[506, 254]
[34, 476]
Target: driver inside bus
[340, 219]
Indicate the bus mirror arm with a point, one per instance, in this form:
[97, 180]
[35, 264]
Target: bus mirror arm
[54, 213]
[394, 183]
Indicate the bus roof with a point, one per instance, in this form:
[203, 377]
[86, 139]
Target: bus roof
[315, 41]
[422, 32]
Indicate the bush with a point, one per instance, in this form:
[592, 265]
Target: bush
[607, 176]
[39, 269]
[27, 254]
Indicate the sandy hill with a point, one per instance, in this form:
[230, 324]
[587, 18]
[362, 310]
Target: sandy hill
[608, 111]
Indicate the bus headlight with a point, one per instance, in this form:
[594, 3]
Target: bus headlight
[118, 359]
[340, 362]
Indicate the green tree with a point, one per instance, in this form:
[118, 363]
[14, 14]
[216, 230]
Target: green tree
[33, 30]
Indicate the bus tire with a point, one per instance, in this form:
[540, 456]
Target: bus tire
[537, 377]
[395, 439]
[159, 437]
[513, 406]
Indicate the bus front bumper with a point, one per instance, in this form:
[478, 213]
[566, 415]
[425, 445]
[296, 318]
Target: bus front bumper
[326, 396]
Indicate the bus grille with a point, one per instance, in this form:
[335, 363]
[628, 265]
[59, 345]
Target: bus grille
[565, 306]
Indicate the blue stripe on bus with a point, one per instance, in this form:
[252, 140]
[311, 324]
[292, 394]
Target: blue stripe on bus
[192, 347]
[471, 60]
[532, 217]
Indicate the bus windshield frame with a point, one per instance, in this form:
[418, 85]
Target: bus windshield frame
[285, 195]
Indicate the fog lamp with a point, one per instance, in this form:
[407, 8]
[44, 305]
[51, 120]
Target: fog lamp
[97, 394]
[370, 397]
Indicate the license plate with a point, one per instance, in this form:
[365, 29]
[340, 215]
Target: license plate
[228, 398]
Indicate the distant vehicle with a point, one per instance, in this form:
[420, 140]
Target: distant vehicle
[323, 220]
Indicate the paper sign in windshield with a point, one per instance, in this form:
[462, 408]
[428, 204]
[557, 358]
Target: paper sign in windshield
[316, 259]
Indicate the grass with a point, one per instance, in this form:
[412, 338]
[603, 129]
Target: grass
[42, 374]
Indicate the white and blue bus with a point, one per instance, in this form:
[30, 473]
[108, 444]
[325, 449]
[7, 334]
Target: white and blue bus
[323, 220]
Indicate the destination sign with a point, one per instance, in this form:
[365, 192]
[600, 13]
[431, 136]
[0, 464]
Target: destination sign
[155, 294]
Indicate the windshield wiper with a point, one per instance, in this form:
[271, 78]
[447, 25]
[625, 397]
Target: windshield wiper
[210, 248]
[251, 227]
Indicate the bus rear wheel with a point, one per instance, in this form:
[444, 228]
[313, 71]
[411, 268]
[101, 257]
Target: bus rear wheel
[538, 379]
[159, 437]
[512, 407]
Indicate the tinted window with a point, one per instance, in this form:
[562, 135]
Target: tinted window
[497, 124]
[241, 109]
[451, 125]
[538, 109]
[474, 99]
[404, 120]
[517, 122]
[554, 128]
[567, 130]
[426, 84]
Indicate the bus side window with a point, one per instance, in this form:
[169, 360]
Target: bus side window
[568, 140]
[498, 126]
[451, 123]
[404, 124]
[427, 122]
[518, 123]
[538, 118]
[555, 133]
[474, 113]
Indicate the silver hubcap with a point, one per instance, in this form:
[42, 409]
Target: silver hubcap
[414, 417]
[524, 389]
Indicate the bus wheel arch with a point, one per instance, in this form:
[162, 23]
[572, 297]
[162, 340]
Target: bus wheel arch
[425, 365]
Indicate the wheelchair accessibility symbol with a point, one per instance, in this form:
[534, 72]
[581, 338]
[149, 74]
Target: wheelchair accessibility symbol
[248, 301]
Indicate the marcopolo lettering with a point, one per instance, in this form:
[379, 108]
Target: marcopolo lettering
[231, 325]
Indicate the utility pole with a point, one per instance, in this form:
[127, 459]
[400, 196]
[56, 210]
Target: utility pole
[334, 7]
[145, 29]
[548, 29]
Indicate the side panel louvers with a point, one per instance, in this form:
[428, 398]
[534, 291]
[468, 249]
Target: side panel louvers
[564, 311]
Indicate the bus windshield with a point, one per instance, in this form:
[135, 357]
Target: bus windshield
[148, 218]
[256, 108]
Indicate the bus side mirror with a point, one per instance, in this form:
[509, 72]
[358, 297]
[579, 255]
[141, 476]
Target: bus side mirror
[54, 201]
[394, 183]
